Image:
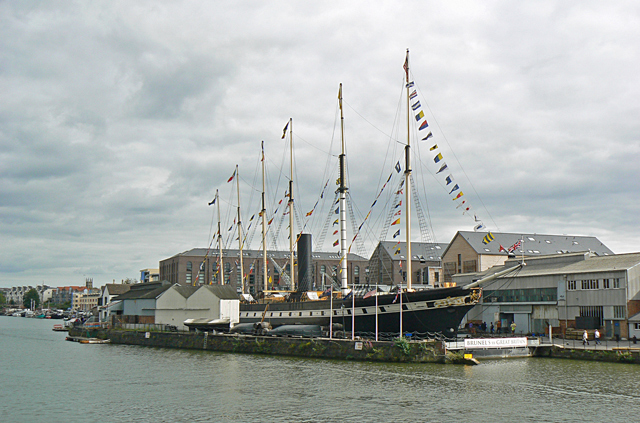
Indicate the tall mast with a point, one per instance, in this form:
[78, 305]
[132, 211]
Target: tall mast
[240, 230]
[343, 209]
[220, 267]
[264, 229]
[291, 239]
[407, 177]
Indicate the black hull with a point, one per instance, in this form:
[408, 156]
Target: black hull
[423, 312]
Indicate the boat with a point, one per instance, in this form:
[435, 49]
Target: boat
[60, 328]
[403, 311]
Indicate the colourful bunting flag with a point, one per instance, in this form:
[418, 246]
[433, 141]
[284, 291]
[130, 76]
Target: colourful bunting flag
[413, 94]
[487, 239]
[397, 167]
[309, 214]
[335, 223]
[448, 179]
[434, 147]
[416, 105]
[410, 84]
[396, 222]
[212, 202]
[429, 135]
[419, 116]
[455, 187]
[443, 167]
[423, 125]
[437, 158]
[336, 243]
[458, 196]
[284, 131]
[396, 234]
[232, 176]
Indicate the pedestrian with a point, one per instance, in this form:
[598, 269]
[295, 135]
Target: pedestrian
[513, 327]
[498, 326]
[596, 336]
[491, 328]
[585, 338]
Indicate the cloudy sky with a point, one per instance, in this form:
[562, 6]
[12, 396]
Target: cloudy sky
[119, 120]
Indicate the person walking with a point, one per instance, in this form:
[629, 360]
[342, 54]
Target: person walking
[585, 338]
[513, 327]
[596, 336]
[491, 328]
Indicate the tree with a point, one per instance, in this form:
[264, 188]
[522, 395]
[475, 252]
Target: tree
[3, 299]
[31, 294]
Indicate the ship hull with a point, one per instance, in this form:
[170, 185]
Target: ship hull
[423, 312]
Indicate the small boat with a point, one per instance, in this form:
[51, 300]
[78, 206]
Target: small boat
[95, 341]
[60, 328]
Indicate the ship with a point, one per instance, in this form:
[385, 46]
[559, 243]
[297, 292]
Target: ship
[402, 311]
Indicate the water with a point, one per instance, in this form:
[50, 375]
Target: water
[46, 379]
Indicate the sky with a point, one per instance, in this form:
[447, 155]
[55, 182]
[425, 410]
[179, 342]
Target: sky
[119, 120]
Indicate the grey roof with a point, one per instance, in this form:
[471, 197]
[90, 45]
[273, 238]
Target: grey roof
[534, 244]
[231, 253]
[430, 251]
[186, 290]
[224, 292]
[117, 288]
[578, 263]
[144, 291]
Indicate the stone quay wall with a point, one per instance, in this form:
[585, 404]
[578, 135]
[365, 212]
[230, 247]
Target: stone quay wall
[400, 350]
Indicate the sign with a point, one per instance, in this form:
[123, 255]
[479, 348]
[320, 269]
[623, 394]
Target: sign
[468, 356]
[147, 335]
[358, 346]
[495, 343]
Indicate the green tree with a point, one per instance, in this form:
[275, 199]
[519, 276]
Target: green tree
[31, 294]
[3, 299]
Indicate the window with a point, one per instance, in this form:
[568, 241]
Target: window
[459, 263]
[618, 312]
[188, 278]
[469, 266]
[189, 266]
[356, 274]
[571, 285]
[449, 270]
[637, 326]
[590, 284]
[605, 284]
[616, 283]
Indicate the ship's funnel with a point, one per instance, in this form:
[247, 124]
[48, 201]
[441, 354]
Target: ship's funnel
[305, 266]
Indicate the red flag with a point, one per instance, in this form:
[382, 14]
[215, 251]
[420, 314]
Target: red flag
[232, 176]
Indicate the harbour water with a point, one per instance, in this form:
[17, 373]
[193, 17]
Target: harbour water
[46, 379]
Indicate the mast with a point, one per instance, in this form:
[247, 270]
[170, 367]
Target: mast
[264, 228]
[240, 230]
[290, 203]
[220, 267]
[407, 178]
[343, 209]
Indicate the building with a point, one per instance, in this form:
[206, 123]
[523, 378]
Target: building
[86, 300]
[387, 261]
[110, 291]
[468, 252]
[575, 290]
[64, 294]
[138, 305]
[199, 267]
[16, 294]
[207, 302]
[149, 275]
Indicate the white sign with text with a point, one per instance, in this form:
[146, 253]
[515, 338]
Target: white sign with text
[471, 343]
